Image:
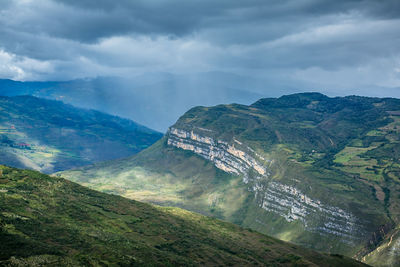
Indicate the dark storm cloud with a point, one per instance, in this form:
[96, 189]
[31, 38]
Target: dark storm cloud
[298, 41]
[181, 17]
[251, 21]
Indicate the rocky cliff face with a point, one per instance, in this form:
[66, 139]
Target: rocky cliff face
[282, 199]
[225, 156]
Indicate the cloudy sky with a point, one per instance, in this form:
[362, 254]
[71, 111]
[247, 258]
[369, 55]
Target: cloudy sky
[337, 47]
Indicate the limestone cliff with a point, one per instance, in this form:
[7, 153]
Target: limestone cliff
[272, 196]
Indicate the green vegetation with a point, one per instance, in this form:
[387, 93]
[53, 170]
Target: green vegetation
[388, 252]
[51, 136]
[343, 152]
[50, 221]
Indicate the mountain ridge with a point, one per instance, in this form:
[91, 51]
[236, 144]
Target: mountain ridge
[49, 135]
[159, 98]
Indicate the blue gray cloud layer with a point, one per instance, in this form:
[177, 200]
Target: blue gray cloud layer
[338, 47]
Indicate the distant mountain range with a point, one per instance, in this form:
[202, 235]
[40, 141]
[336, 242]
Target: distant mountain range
[317, 171]
[155, 99]
[48, 221]
[50, 136]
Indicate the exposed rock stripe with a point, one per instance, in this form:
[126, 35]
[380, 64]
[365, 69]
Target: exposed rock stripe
[225, 156]
[284, 200]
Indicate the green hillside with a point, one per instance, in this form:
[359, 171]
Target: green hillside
[317, 171]
[50, 136]
[50, 221]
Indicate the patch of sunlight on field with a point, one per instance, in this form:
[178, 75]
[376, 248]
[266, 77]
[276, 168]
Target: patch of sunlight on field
[354, 163]
[375, 133]
[36, 159]
[46, 155]
[231, 199]
[287, 235]
[28, 162]
[149, 196]
[138, 184]
[349, 153]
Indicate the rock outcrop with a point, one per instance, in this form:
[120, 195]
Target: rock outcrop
[284, 200]
[225, 156]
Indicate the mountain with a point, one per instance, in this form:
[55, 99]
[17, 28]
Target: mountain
[158, 98]
[49, 221]
[317, 171]
[49, 136]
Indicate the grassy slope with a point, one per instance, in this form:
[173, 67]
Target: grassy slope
[388, 252]
[61, 136]
[342, 151]
[48, 220]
